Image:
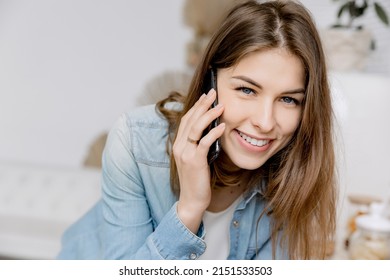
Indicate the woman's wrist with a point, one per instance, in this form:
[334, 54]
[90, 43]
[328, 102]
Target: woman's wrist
[190, 215]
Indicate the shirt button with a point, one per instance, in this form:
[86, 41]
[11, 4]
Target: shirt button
[236, 223]
[193, 256]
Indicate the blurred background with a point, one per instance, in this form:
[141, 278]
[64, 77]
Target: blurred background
[69, 69]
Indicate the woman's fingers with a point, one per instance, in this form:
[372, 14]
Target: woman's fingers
[203, 122]
[188, 145]
[191, 118]
[206, 141]
[187, 117]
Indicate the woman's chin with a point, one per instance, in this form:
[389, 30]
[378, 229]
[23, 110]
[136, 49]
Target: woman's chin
[248, 165]
[244, 162]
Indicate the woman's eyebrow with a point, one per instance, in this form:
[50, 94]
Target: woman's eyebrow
[295, 91]
[248, 80]
[252, 82]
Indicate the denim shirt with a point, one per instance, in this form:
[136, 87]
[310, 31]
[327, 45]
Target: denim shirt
[136, 217]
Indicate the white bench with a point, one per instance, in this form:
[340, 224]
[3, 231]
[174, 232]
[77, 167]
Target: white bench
[38, 203]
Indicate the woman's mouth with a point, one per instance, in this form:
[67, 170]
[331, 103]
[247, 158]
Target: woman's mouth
[253, 141]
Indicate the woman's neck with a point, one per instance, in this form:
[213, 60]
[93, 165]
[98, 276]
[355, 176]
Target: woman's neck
[230, 183]
[226, 174]
[223, 197]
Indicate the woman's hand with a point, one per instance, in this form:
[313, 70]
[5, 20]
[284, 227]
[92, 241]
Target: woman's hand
[190, 154]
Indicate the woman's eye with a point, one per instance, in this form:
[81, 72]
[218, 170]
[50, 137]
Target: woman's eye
[246, 90]
[289, 100]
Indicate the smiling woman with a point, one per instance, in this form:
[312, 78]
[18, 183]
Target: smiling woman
[262, 105]
[271, 191]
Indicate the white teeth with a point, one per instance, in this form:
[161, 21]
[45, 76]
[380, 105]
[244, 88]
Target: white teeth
[253, 141]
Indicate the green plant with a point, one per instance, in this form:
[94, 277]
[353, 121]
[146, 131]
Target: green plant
[356, 9]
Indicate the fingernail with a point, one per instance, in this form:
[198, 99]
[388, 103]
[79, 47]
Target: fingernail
[202, 96]
[211, 92]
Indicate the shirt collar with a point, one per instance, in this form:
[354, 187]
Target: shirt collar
[258, 189]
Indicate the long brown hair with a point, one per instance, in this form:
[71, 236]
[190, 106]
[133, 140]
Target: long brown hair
[301, 190]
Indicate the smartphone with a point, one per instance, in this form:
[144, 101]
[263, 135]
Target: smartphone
[216, 146]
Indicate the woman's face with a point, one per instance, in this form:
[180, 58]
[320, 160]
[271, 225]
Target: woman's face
[262, 96]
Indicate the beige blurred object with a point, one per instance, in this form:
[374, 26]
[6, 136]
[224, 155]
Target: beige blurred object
[358, 205]
[370, 246]
[204, 17]
[347, 49]
[371, 240]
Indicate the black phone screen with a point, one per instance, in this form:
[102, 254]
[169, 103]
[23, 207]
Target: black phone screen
[216, 146]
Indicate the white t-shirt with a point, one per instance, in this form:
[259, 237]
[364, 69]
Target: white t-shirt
[217, 228]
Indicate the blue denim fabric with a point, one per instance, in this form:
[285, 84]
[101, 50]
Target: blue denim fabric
[136, 217]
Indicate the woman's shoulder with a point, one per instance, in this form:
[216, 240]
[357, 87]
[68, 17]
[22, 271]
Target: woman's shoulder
[144, 116]
[145, 130]
[149, 115]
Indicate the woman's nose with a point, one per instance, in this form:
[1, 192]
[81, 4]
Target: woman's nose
[264, 116]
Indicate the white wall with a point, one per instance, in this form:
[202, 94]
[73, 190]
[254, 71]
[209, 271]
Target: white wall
[69, 68]
[363, 140]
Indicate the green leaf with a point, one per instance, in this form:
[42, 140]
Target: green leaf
[381, 13]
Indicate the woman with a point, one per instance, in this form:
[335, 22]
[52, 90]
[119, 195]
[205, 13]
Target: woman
[270, 193]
